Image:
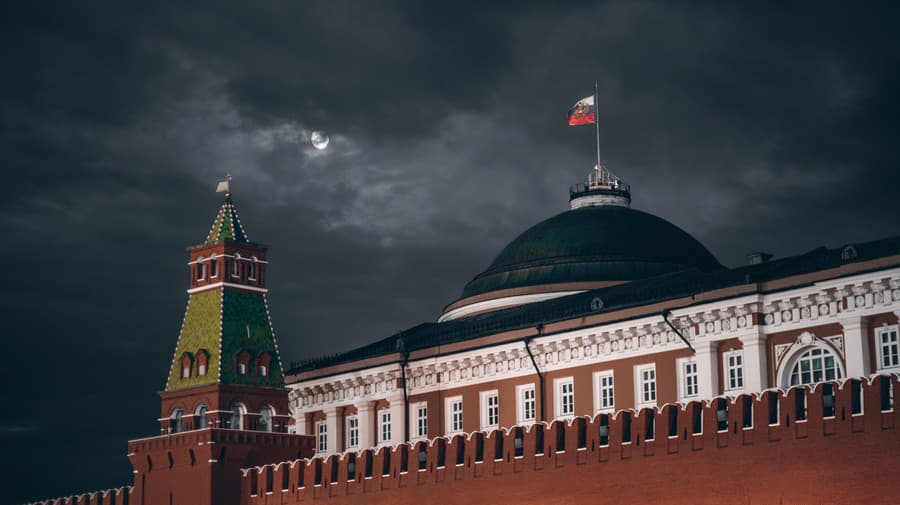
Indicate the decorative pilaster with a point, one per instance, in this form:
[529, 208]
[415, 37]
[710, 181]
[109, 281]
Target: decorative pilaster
[707, 369]
[756, 370]
[366, 424]
[856, 340]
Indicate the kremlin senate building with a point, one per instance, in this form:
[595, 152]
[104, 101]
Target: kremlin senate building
[604, 356]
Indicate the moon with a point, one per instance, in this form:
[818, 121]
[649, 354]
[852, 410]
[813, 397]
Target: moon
[319, 140]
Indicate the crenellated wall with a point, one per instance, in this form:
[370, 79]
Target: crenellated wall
[116, 496]
[841, 447]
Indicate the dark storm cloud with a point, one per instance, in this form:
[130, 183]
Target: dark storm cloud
[751, 127]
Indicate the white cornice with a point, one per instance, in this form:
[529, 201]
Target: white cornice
[501, 303]
[227, 285]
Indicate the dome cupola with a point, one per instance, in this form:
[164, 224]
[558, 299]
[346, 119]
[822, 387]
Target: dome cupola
[599, 242]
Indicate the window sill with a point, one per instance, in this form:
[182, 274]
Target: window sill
[772, 425]
[746, 428]
[858, 414]
[801, 421]
[888, 411]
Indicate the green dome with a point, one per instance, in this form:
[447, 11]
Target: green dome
[593, 243]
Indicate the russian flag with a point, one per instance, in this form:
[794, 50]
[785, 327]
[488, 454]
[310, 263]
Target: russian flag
[582, 112]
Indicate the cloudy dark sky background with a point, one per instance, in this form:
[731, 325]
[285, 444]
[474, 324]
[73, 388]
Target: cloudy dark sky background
[753, 127]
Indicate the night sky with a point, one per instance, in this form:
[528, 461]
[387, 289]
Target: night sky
[754, 128]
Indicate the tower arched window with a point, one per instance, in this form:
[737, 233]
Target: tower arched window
[186, 365]
[201, 268]
[251, 268]
[236, 417]
[263, 362]
[266, 415]
[242, 362]
[176, 422]
[236, 265]
[814, 365]
[213, 266]
[201, 417]
[202, 360]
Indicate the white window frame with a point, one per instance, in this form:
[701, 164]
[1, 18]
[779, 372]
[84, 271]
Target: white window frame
[684, 385]
[738, 383]
[522, 402]
[321, 436]
[263, 371]
[604, 392]
[880, 333]
[419, 415]
[487, 398]
[236, 266]
[201, 369]
[252, 265]
[651, 399]
[564, 387]
[454, 424]
[352, 431]
[213, 266]
[385, 427]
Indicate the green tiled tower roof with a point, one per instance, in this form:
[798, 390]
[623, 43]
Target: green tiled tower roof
[227, 225]
[225, 320]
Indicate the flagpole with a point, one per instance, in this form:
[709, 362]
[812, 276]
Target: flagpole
[597, 123]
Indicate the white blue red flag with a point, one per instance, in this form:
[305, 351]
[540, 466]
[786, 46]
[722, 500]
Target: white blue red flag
[583, 112]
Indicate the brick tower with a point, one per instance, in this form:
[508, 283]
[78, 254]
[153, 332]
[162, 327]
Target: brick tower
[225, 406]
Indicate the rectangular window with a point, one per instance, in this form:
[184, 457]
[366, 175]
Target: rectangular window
[321, 436]
[888, 347]
[772, 397]
[734, 370]
[565, 405]
[527, 411]
[213, 267]
[604, 392]
[385, 426]
[201, 369]
[352, 432]
[646, 382]
[455, 413]
[490, 409]
[421, 411]
[689, 379]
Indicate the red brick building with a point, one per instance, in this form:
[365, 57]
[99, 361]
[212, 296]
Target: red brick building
[605, 355]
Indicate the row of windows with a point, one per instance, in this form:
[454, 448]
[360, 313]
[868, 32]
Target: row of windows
[813, 366]
[234, 419]
[194, 364]
[796, 411]
[260, 364]
[210, 267]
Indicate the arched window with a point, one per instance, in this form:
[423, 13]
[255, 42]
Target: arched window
[262, 364]
[236, 265]
[201, 268]
[213, 266]
[816, 364]
[202, 362]
[176, 422]
[186, 365]
[251, 268]
[266, 414]
[236, 419]
[201, 417]
[242, 362]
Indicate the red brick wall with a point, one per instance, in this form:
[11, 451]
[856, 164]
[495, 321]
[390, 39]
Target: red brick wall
[842, 459]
